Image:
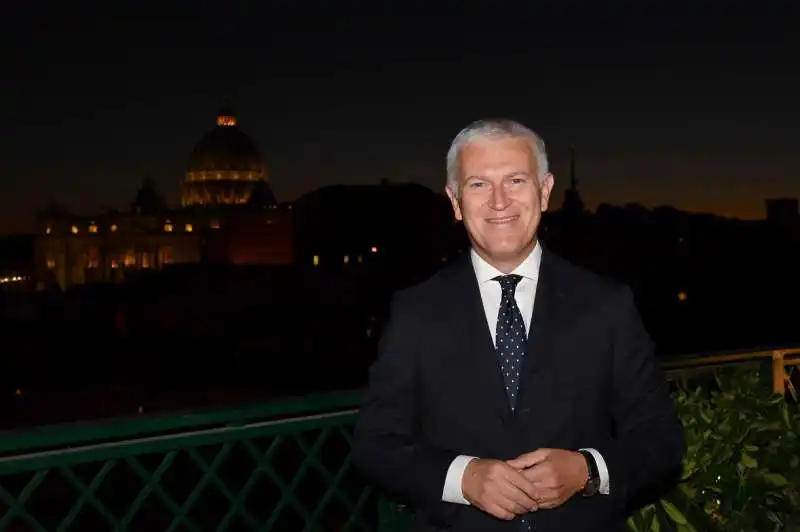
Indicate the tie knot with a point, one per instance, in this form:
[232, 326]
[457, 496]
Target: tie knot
[508, 283]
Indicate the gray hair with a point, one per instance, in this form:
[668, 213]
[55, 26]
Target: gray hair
[494, 129]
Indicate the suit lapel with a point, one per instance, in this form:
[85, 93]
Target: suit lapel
[548, 307]
[477, 349]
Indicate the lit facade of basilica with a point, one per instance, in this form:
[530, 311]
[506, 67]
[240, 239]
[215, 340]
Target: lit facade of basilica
[228, 214]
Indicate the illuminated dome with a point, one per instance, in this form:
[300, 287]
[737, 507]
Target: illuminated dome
[225, 168]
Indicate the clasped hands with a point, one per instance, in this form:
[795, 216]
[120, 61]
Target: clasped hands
[542, 479]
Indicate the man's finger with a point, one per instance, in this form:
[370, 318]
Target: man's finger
[520, 481]
[529, 459]
[546, 496]
[514, 507]
[538, 474]
[499, 512]
[520, 498]
[549, 504]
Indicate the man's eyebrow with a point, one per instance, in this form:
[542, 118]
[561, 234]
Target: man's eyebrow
[512, 174]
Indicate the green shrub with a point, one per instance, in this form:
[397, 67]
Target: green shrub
[741, 472]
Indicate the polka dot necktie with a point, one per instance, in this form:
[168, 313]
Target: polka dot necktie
[511, 337]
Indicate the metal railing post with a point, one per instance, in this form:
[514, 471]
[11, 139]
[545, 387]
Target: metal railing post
[778, 372]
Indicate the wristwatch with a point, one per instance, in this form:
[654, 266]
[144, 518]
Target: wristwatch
[592, 485]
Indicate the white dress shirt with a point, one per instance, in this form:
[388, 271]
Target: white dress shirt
[491, 295]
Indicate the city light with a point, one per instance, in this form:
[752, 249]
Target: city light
[226, 120]
[13, 279]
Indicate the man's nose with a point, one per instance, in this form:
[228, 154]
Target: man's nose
[499, 199]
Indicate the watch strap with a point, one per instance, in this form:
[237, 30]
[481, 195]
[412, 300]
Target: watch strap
[593, 482]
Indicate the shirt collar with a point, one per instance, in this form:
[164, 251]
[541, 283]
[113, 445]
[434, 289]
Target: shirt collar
[529, 268]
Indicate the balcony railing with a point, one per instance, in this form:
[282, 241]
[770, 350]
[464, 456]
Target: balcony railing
[281, 466]
[284, 466]
[774, 361]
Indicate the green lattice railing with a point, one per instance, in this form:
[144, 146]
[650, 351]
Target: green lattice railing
[280, 467]
[283, 466]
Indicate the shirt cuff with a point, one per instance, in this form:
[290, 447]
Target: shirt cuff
[452, 482]
[602, 471]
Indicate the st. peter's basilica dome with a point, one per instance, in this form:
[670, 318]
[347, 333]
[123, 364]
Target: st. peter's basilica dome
[226, 168]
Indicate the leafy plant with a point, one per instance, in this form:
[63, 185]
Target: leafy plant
[742, 469]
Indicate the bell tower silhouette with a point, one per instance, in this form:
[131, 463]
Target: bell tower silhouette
[573, 204]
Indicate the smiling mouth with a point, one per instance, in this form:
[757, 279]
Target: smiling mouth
[502, 221]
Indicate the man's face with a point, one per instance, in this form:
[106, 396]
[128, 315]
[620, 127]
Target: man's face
[500, 199]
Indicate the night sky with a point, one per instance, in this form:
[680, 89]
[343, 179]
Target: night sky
[699, 111]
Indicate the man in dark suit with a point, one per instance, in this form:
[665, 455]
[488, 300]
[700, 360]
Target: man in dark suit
[513, 390]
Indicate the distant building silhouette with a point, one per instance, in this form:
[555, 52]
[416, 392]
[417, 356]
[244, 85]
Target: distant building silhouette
[404, 227]
[783, 211]
[573, 203]
[228, 214]
[226, 168]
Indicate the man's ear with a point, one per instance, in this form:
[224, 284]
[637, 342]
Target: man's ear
[545, 189]
[453, 196]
